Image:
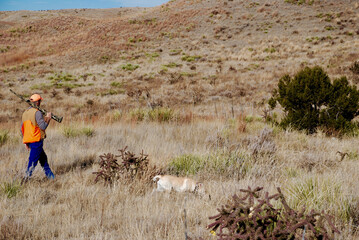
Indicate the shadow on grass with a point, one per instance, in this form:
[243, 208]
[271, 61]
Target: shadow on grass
[81, 163]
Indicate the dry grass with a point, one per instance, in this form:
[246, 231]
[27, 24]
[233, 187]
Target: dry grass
[305, 167]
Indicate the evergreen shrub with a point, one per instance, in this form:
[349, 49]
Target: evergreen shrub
[311, 101]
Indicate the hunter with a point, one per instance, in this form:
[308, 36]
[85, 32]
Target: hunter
[33, 129]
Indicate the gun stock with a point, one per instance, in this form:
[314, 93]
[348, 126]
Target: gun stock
[43, 111]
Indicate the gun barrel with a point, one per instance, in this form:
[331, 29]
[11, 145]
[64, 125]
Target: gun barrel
[43, 111]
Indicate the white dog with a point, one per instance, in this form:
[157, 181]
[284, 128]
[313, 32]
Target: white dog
[179, 184]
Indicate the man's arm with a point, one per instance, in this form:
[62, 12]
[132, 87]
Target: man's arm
[42, 121]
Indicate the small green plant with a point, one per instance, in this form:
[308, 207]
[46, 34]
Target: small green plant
[138, 115]
[152, 56]
[188, 58]
[88, 131]
[310, 101]
[161, 114]
[172, 65]
[186, 164]
[104, 59]
[354, 68]
[300, 2]
[130, 67]
[62, 77]
[270, 50]
[117, 84]
[175, 51]
[4, 137]
[10, 189]
[329, 28]
[255, 216]
[72, 131]
[4, 49]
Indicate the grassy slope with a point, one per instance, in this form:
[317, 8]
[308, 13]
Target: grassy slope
[244, 49]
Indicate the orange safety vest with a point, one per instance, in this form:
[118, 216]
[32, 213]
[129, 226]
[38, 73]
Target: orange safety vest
[30, 130]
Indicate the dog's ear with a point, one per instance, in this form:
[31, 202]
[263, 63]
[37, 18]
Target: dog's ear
[198, 187]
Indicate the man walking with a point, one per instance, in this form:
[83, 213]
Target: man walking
[33, 129]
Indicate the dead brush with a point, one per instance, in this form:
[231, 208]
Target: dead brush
[132, 168]
[263, 144]
[254, 217]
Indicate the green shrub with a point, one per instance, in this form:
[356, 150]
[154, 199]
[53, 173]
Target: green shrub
[355, 67]
[72, 131]
[310, 100]
[117, 84]
[161, 114]
[172, 65]
[300, 2]
[187, 164]
[4, 137]
[88, 131]
[129, 67]
[188, 58]
[138, 115]
[10, 189]
[231, 163]
[156, 114]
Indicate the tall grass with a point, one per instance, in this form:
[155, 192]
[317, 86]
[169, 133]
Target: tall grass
[225, 163]
[4, 137]
[156, 114]
[130, 210]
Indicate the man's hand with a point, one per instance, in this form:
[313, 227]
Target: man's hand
[47, 118]
[27, 147]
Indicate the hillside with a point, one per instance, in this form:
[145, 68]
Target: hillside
[182, 53]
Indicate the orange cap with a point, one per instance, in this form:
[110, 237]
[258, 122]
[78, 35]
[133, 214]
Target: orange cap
[35, 98]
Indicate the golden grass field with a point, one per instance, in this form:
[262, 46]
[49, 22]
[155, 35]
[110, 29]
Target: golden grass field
[211, 65]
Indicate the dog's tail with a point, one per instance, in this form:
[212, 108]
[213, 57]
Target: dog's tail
[156, 178]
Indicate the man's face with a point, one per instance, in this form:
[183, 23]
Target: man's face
[37, 103]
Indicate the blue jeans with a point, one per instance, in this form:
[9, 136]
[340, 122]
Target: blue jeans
[37, 154]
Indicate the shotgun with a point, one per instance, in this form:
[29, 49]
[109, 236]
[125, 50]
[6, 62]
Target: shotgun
[43, 111]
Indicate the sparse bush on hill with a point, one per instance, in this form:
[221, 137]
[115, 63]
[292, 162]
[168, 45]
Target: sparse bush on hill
[355, 68]
[130, 67]
[300, 2]
[310, 100]
[255, 216]
[160, 114]
[188, 58]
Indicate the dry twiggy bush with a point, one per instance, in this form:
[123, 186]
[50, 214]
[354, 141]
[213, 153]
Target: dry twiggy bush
[132, 167]
[255, 217]
[263, 144]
